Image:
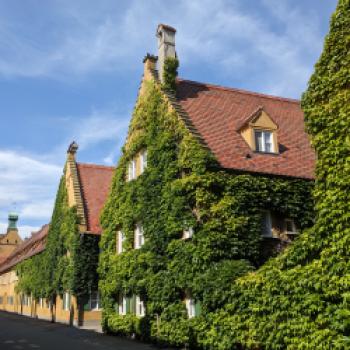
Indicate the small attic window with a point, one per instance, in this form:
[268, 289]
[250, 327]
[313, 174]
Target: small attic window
[264, 141]
[260, 132]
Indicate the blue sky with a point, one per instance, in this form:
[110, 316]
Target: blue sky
[70, 70]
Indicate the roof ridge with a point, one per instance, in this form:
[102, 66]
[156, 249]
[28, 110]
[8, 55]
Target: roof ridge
[98, 166]
[242, 91]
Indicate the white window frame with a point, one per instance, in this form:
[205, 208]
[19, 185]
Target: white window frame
[139, 238]
[143, 161]
[132, 170]
[295, 231]
[187, 233]
[66, 301]
[41, 303]
[139, 307]
[267, 138]
[122, 304]
[26, 300]
[267, 223]
[120, 241]
[97, 297]
[191, 307]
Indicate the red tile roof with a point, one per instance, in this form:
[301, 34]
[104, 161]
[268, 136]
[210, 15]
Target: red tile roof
[32, 246]
[217, 113]
[95, 182]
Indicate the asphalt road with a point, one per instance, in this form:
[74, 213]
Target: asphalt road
[24, 333]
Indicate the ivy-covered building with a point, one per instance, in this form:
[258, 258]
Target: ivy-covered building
[212, 181]
[53, 274]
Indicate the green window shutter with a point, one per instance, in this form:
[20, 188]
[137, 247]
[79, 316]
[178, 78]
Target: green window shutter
[116, 308]
[128, 302]
[133, 304]
[198, 308]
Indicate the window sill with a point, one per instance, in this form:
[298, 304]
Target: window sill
[266, 153]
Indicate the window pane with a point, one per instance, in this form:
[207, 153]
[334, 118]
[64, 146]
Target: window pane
[259, 141]
[266, 224]
[268, 141]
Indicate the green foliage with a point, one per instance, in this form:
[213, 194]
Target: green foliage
[183, 187]
[69, 261]
[170, 73]
[300, 300]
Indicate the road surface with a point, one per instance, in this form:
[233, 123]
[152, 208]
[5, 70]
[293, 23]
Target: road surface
[24, 333]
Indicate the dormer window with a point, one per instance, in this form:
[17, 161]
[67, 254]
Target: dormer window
[260, 132]
[264, 141]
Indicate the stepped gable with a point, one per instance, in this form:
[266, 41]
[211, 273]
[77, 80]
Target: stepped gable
[218, 112]
[32, 246]
[95, 182]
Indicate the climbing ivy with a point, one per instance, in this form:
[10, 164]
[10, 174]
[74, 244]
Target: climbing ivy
[301, 299]
[182, 187]
[69, 261]
[170, 73]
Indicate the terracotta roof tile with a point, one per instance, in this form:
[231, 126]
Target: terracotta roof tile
[217, 112]
[32, 246]
[95, 183]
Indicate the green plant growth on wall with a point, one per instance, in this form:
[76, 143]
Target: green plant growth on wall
[182, 187]
[170, 73]
[301, 299]
[68, 263]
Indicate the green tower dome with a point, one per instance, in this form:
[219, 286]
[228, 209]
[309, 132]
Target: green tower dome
[13, 218]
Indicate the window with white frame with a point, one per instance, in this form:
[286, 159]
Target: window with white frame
[10, 300]
[26, 300]
[94, 301]
[120, 241]
[143, 161]
[122, 304]
[132, 170]
[139, 307]
[264, 141]
[291, 228]
[266, 225]
[48, 303]
[41, 303]
[187, 233]
[66, 301]
[191, 307]
[139, 238]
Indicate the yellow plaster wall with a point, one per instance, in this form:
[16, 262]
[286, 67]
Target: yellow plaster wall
[70, 186]
[11, 237]
[8, 282]
[264, 121]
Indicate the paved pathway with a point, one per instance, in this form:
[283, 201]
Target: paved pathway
[24, 333]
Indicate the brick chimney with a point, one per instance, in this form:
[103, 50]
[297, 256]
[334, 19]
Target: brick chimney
[166, 46]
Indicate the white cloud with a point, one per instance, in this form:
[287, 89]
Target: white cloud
[22, 177]
[27, 185]
[28, 182]
[98, 127]
[88, 38]
[23, 230]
